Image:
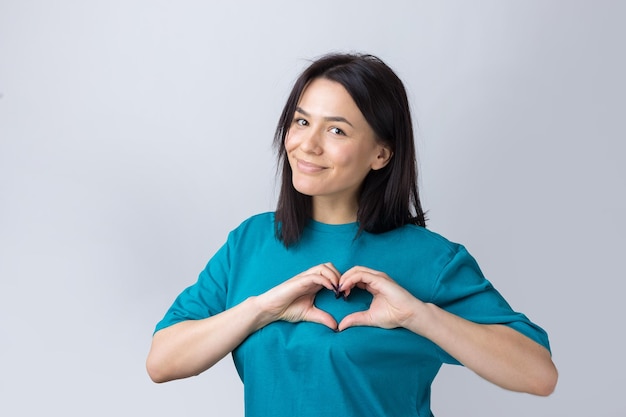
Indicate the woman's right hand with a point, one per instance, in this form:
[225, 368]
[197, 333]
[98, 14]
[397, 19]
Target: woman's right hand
[293, 299]
[192, 346]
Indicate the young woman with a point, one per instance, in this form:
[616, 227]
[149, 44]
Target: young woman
[342, 302]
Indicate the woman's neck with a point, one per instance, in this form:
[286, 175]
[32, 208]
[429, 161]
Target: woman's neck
[331, 211]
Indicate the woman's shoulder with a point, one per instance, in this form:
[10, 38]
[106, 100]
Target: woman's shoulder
[419, 236]
[259, 220]
[261, 224]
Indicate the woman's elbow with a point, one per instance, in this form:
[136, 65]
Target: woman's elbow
[546, 384]
[159, 364]
[156, 370]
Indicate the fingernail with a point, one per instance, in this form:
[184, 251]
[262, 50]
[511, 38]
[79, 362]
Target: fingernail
[337, 294]
[345, 297]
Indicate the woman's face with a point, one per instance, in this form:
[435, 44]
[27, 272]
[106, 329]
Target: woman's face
[330, 145]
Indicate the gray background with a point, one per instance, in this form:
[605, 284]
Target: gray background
[135, 134]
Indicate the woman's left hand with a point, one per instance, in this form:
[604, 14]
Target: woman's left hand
[392, 306]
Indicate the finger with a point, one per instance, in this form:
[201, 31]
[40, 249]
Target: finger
[364, 278]
[330, 266]
[329, 271]
[362, 269]
[315, 315]
[360, 318]
[346, 291]
[327, 267]
[305, 283]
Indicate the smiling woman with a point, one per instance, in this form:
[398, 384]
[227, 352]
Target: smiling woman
[343, 288]
[388, 197]
[331, 148]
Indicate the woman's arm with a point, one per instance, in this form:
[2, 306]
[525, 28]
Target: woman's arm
[496, 352]
[193, 346]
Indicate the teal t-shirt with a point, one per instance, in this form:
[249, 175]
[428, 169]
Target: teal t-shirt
[308, 370]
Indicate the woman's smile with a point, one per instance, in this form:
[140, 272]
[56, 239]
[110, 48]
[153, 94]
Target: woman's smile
[308, 167]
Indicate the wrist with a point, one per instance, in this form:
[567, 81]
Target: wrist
[422, 318]
[262, 315]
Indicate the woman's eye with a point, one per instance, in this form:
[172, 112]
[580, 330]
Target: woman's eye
[301, 122]
[337, 131]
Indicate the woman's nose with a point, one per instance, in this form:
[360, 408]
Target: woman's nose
[311, 142]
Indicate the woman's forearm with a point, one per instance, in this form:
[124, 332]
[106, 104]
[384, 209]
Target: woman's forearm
[497, 353]
[191, 347]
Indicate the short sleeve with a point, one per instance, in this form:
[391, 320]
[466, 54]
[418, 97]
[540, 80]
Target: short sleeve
[461, 289]
[206, 297]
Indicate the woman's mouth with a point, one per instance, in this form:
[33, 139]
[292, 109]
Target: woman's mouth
[308, 167]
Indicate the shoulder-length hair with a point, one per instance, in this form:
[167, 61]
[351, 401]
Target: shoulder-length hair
[389, 197]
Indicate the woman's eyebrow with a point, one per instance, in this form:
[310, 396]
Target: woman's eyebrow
[327, 118]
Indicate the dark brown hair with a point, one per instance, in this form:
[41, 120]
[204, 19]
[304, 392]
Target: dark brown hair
[389, 197]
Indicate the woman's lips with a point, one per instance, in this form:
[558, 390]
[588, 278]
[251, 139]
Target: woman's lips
[308, 167]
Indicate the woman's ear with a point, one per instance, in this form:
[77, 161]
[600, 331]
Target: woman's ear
[383, 157]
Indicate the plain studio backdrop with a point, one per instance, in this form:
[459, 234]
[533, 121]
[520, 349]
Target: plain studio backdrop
[135, 134]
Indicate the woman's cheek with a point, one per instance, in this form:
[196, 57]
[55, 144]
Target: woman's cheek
[289, 140]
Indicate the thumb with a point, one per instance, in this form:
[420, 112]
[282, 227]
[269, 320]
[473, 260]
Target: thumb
[360, 318]
[315, 315]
